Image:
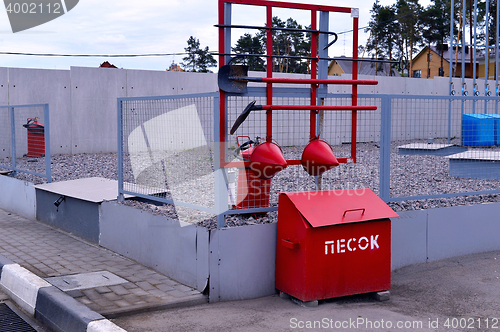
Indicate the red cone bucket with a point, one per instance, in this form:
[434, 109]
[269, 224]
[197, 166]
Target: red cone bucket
[318, 157]
[266, 160]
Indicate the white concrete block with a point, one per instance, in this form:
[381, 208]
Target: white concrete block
[21, 199]
[103, 325]
[22, 286]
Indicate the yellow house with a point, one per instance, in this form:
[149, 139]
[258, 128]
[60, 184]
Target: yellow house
[343, 65]
[491, 66]
[427, 63]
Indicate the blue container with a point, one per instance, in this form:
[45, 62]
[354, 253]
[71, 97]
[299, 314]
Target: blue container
[497, 127]
[478, 130]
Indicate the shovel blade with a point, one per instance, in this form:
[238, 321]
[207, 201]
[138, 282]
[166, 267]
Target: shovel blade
[232, 85]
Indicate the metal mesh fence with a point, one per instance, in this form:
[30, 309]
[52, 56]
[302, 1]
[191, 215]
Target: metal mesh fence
[291, 131]
[436, 147]
[24, 132]
[443, 146]
[167, 150]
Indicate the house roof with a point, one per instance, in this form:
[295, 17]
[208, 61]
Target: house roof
[365, 67]
[446, 54]
[106, 64]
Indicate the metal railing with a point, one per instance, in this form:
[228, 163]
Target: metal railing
[448, 146]
[166, 152]
[25, 139]
[411, 147]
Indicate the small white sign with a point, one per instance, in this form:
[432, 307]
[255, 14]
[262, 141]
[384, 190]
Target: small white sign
[339, 246]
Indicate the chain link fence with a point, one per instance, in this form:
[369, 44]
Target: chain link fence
[411, 147]
[440, 147]
[166, 152]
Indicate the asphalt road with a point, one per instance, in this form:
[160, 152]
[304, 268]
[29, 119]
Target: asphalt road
[456, 294]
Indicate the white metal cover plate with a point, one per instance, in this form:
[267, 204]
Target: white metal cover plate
[476, 155]
[95, 190]
[425, 146]
[86, 280]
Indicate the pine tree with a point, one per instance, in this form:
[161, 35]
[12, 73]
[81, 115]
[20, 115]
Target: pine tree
[198, 59]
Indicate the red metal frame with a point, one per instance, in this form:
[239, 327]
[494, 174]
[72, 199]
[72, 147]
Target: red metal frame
[269, 80]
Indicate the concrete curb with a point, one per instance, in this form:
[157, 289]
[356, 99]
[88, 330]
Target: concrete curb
[4, 261]
[48, 304]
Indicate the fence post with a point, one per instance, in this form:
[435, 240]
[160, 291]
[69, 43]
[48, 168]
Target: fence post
[48, 170]
[13, 141]
[221, 181]
[120, 197]
[385, 148]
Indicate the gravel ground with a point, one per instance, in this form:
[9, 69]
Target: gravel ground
[410, 175]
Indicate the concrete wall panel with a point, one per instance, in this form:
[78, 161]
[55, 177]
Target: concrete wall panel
[145, 83]
[76, 216]
[18, 196]
[93, 108]
[83, 104]
[463, 230]
[156, 242]
[4, 86]
[246, 261]
[194, 82]
[40, 86]
[4, 113]
[409, 238]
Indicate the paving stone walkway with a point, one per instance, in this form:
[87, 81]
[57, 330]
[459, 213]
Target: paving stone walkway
[48, 252]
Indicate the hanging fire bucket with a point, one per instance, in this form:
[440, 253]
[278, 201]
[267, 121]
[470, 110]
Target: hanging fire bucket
[266, 160]
[318, 157]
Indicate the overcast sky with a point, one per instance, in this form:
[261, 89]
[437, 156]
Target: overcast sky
[149, 26]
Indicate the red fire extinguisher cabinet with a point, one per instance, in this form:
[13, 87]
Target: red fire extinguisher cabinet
[252, 191]
[36, 138]
[333, 243]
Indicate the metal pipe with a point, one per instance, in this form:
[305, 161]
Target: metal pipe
[314, 69]
[13, 140]
[452, 24]
[119, 108]
[274, 28]
[314, 108]
[497, 93]
[48, 170]
[487, 50]
[486, 58]
[301, 80]
[294, 5]
[354, 102]
[473, 64]
[464, 92]
[463, 46]
[269, 87]
[451, 88]
[308, 57]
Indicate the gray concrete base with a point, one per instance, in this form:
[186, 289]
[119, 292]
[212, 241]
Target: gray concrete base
[242, 259]
[74, 206]
[20, 198]
[181, 253]
[477, 164]
[239, 263]
[433, 149]
[382, 296]
[76, 216]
